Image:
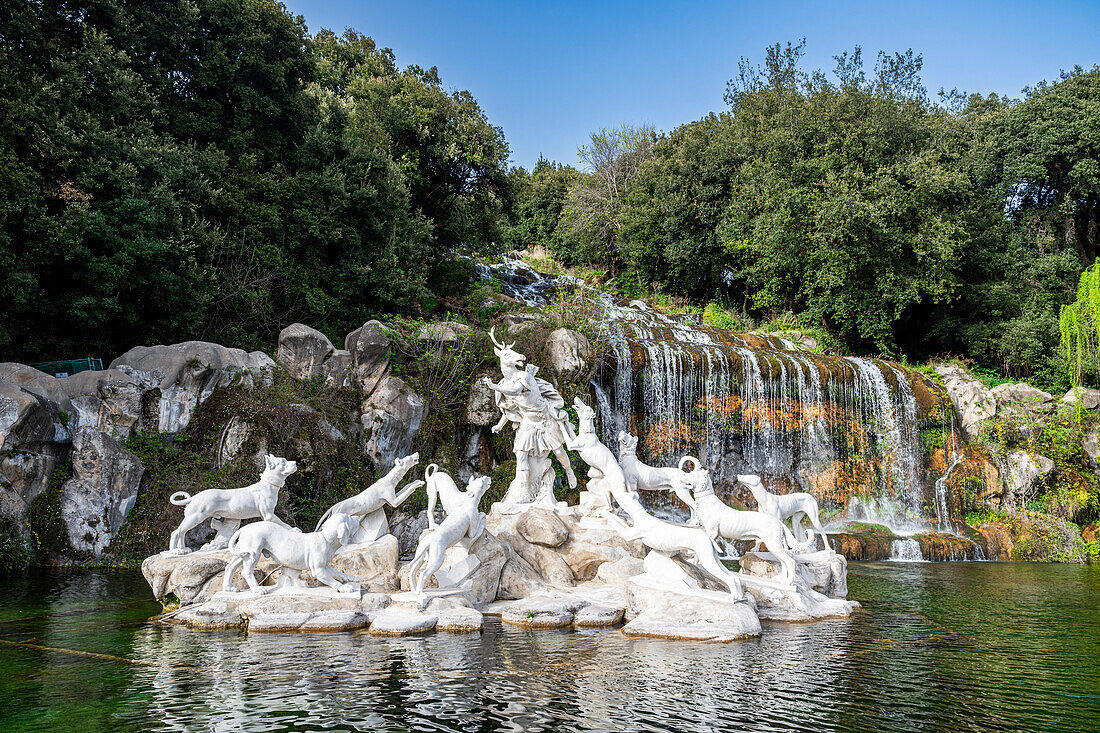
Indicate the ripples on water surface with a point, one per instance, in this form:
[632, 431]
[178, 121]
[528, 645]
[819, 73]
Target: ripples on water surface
[940, 647]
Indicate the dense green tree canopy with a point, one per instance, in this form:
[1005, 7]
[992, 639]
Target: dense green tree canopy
[854, 202]
[206, 169]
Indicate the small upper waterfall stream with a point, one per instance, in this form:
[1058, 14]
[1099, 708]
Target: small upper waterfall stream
[846, 429]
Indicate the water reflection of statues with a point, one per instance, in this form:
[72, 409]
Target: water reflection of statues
[536, 411]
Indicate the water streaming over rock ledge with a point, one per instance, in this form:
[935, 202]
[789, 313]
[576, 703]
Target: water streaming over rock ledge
[867, 437]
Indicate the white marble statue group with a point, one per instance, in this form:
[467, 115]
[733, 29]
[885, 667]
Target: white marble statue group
[534, 408]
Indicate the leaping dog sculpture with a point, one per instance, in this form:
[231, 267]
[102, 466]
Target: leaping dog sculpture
[668, 538]
[607, 480]
[463, 523]
[720, 520]
[368, 506]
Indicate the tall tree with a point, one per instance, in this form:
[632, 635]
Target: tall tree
[1044, 155]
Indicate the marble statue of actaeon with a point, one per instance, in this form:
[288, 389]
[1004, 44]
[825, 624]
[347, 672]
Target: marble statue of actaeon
[606, 480]
[463, 524]
[228, 507]
[368, 506]
[720, 520]
[794, 506]
[294, 550]
[651, 478]
[536, 411]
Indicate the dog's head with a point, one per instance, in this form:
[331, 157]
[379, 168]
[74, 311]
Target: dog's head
[341, 526]
[628, 444]
[404, 464]
[698, 481]
[584, 412]
[751, 481]
[280, 466]
[478, 486]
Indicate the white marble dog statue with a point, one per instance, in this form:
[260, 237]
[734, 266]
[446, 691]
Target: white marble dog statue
[293, 549]
[230, 506]
[651, 478]
[668, 538]
[781, 506]
[368, 505]
[606, 478]
[720, 520]
[464, 523]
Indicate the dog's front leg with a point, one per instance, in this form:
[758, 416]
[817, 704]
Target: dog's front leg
[405, 493]
[328, 576]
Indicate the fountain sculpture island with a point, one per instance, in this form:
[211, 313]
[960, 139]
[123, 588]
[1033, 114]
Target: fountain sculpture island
[533, 560]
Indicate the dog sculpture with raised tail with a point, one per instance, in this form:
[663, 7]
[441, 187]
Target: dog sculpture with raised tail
[230, 506]
[720, 520]
[783, 506]
[294, 550]
[607, 481]
[463, 524]
[652, 478]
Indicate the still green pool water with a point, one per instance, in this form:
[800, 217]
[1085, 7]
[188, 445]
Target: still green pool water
[939, 647]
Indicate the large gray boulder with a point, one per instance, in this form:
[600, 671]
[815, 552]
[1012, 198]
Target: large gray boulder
[568, 351]
[369, 349]
[108, 400]
[103, 489]
[303, 350]
[1026, 474]
[972, 399]
[1087, 398]
[29, 448]
[1021, 399]
[449, 331]
[188, 373]
[35, 382]
[481, 407]
[337, 369]
[390, 418]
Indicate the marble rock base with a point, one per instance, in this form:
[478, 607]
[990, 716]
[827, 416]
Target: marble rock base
[776, 602]
[194, 576]
[825, 571]
[446, 613]
[542, 613]
[292, 609]
[657, 609]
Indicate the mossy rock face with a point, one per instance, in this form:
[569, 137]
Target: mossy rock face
[1032, 537]
[944, 547]
[861, 541]
[1042, 538]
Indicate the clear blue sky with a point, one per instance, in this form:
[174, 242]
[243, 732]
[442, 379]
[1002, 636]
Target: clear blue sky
[550, 73]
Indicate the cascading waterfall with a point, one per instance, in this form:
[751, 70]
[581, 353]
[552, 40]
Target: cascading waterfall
[905, 549]
[844, 428]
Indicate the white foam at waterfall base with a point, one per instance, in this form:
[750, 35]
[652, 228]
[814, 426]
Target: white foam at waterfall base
[905, 549]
